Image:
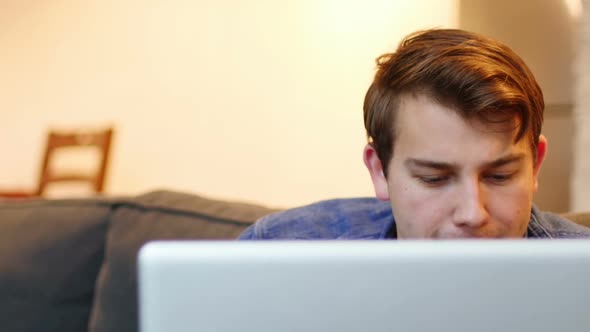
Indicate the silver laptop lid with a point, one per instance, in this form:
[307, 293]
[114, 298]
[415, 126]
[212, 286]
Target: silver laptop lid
[346, 286]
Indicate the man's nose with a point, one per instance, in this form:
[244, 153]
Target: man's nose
[471, 207]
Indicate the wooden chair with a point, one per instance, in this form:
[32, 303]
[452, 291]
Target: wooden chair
[57, 141]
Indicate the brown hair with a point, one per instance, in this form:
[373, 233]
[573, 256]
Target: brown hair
[469, 73]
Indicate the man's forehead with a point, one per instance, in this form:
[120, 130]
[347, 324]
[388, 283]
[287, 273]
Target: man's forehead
[486, 121]
[428, 130]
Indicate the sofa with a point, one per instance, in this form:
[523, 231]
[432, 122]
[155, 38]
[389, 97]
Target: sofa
[70, 264]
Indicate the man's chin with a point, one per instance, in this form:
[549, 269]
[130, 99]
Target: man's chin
[465, 236]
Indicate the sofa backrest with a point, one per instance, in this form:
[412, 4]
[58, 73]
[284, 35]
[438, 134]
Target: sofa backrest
[70, 265]
[156, 216]
[582, 218]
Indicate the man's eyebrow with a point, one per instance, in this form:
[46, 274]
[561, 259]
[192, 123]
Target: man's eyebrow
[425, 163]
[414, 162]
[506, 160]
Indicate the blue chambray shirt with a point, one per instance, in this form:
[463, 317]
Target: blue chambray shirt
[370, 218]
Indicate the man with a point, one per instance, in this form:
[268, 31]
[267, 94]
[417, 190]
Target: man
[454, 123]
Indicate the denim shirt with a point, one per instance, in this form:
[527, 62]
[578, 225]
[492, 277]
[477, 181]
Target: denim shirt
[370, 218]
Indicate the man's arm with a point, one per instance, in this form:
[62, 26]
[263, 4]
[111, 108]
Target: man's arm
[249, 233]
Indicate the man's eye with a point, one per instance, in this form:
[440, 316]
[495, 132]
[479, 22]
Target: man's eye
[499, 177]
[433, 180]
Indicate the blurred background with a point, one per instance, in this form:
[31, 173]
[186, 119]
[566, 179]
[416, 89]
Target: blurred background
[258, 100]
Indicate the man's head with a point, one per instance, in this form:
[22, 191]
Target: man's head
[454, 120]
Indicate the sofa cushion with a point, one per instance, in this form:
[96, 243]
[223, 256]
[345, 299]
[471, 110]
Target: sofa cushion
[50, 255]
[156, 216]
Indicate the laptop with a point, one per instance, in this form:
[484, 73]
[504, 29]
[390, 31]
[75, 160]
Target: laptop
[374, 286]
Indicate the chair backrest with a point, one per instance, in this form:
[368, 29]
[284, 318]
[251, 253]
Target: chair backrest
[100, 140]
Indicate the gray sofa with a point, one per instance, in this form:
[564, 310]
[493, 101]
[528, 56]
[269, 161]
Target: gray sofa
[70, 265]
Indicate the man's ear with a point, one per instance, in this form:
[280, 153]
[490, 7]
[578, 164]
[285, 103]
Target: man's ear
[375, 168]
[541, 153]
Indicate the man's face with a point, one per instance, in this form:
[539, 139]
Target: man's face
[454, 178]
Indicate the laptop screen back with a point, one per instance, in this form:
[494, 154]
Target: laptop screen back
[346, 286]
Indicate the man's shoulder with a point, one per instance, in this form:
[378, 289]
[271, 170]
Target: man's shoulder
[547, 224]
[348, 218]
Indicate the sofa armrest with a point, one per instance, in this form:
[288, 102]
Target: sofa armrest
[50, 255]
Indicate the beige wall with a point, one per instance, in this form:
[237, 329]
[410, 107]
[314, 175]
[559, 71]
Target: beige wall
[542, 32]
[251, 100]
